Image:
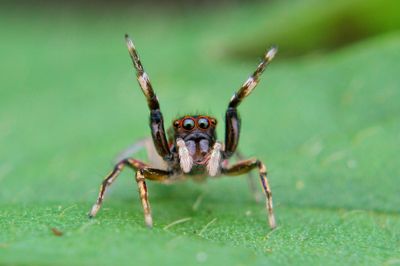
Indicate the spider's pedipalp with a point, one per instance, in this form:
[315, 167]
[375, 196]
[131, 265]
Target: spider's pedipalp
[186, 161]
[213, 164]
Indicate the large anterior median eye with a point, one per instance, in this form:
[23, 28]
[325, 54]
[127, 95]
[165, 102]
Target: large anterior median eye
[203, 123]
[188, 124]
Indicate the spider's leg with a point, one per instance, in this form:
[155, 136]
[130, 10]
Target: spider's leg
[156, 118]
[232, 120]
[141, 176]
[245, 167]
[135, 164]
[253, 80]
[250, 178]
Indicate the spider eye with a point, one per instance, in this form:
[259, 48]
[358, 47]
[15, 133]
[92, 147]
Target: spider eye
[176, 123]
[203, 123]
[188, 124]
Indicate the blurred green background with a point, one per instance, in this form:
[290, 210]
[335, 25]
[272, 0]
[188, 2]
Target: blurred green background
[325, 119]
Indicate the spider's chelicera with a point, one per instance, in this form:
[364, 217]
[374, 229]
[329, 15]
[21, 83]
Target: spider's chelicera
[191, 149]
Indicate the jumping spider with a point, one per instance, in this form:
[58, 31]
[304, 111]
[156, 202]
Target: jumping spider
[191, 149]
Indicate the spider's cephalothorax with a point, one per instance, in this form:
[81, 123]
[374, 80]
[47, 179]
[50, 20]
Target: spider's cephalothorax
[192, 148]
[195, 128]
[196, 134]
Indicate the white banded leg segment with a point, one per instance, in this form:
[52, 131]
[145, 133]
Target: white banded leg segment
[250, 84]
[271, 53]
[252, 81]
[213, 164]
[142, 76]
[143, 194]
[133, 54]
[186, 161]
[145, 85]
[94, 210]
[268, 194]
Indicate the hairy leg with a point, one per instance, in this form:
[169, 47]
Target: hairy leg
[232, 119]
[109, 179]
[143, 171]
[250, 178]
[245, 167]
[141, 176]
[156, 118]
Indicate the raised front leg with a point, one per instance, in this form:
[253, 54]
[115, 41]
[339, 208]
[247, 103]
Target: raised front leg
[232, 119]
[156, 118]
[245, 167]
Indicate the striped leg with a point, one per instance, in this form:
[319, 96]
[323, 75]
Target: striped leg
[143, 194]
[156, 118]
[232, 120]
[245, 167]
[250, 178]
[135, 164]
[143, 171]
[141, 176]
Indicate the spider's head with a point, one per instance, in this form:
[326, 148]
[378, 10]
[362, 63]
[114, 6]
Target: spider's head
[198, 132]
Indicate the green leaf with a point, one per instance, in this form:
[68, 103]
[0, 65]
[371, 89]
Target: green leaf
[327, 127]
